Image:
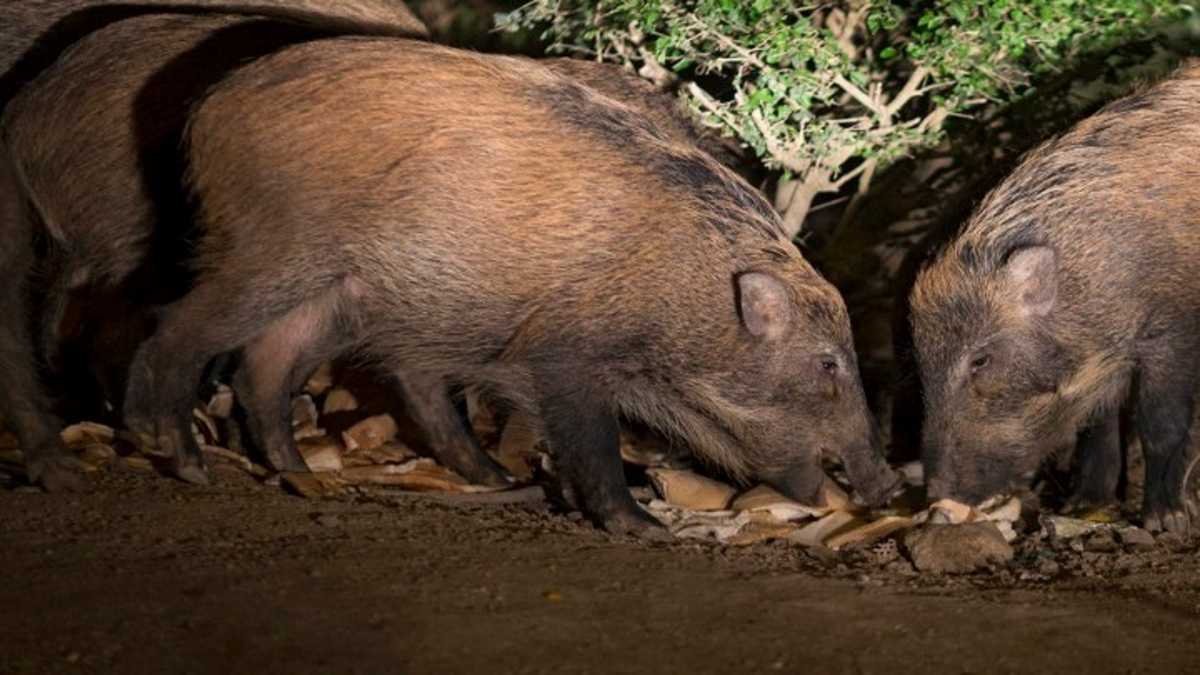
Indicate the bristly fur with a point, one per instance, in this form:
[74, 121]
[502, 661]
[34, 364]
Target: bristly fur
[1115, 199]
[513, 228]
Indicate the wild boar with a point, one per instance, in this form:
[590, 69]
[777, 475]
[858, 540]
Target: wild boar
[478, 220]
[1069, 295]
[92, 163]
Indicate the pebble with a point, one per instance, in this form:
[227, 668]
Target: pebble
[1136, 537]
[957, 549]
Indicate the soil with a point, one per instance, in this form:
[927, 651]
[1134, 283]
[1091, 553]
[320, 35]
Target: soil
[146, 574]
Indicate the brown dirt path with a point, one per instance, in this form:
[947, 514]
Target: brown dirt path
[145, 574]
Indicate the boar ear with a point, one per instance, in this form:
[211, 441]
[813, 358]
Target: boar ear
[765, 307]
[1031, 275]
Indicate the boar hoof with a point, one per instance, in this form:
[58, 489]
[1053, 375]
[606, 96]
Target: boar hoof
[489, 476]
[1175, 522]
[637, 524]
[57, 473]
[193, 473]
[285, 462]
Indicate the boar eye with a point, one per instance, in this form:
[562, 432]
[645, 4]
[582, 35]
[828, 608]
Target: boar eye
[829, 364]
[980, 362]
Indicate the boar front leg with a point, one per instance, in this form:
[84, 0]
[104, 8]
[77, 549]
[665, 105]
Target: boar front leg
[1100, 463]
[1165, 400]
[584, 439]
[446, 432]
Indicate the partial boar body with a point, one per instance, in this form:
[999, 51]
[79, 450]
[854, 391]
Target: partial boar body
[35, 31]
[1071, 293]
[662, 108]
[92, 126]
[478, 220]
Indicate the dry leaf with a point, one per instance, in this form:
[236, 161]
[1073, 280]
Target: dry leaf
[321, 453]
[339, 399]
[767, 500]
[869, 532]
[84, 434]
[320, 381]
[314, 485]
[370, 433]
[690, 490]
[220, 405]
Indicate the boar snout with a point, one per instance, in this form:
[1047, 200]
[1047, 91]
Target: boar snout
[873, 480]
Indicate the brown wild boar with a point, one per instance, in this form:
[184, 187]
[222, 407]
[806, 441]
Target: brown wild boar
[1069, 295]
[98, 150]
[91, 160]
[479, 220]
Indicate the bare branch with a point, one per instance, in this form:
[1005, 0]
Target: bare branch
[861, 96]
[910, 90]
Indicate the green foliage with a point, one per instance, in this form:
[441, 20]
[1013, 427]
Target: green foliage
[827, 93]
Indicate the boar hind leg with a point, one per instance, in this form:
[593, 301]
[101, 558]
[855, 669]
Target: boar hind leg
[1100, 463]
[285, 352]
[222, 313]
[23, 401]
[584, 440]
[446, 431]
[1165, 401]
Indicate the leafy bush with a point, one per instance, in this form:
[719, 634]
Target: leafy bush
[826, 94]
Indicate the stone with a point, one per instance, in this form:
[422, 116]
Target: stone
[1100, 541]
[1135, 537]
[957, 549]
[691, 490]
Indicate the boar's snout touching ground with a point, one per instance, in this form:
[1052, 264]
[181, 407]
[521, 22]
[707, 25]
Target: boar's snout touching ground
[1069, 296]
[792, 390]
[479, 220]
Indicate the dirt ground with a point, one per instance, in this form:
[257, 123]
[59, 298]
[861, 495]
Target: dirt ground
[146, 574]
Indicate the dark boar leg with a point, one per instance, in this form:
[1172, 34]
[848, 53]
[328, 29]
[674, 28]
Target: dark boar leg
[223, 312]
[584, 441]
[1100, 463]
[1165, 399]
[22, 399]
[449, 438]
